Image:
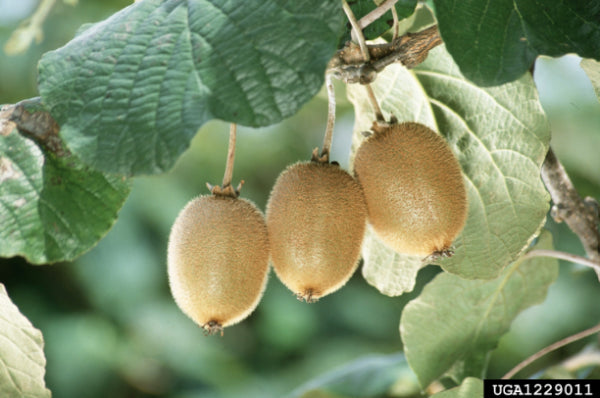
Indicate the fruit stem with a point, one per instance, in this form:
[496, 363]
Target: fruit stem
[328, 139]
[226, 189]
[396, 26]
[377, 13]
[230, 156]
[371, 95]
[357, 34]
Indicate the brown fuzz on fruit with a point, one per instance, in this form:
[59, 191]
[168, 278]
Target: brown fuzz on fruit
[413, 185]
[316, 218]
[218, 259]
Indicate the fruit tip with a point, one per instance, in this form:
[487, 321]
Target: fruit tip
[212, 327]
[439, 254]
[307, 296]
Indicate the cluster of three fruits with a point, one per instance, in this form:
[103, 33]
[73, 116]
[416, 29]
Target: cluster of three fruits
[408, 186]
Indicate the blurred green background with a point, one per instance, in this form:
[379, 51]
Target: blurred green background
[111, 328]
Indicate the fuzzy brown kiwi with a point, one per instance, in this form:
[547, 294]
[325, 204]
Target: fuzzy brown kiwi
[218, 260]
[413, 185]
[316, 219]
[218, 254]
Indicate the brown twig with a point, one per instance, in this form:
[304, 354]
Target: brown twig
[410, 49]
[580, 215]
[550, 348]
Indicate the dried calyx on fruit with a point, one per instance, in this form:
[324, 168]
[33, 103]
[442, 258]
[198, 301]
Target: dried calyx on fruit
[414, 188]
[218, 256]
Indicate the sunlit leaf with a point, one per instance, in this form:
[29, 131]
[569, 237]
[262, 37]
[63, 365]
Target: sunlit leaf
[453, 325]
[22, 361]
[592, 69]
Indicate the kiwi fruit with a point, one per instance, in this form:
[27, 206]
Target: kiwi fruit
[316, 220]
[218, 259]
[414, 189]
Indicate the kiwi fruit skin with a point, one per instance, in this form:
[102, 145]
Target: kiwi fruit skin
[218, 260]
[316, 219]
[414, 188]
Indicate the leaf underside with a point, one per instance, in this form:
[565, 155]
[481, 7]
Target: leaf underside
[131, 91]
[393, 274]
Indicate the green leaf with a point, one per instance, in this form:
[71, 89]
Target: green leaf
[471, 387]
[592, 69]
[495, 42]
[52, 207]
[453, 325]
[500, 136]
[22, 361]
[130, 92]
[370, 376]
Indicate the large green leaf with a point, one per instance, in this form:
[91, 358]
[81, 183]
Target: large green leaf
[22, 361]
[52, 208]
[453, 325]
[370, 376]
[471, 387]
[130, 92]
[500, 136]
[495, 42]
